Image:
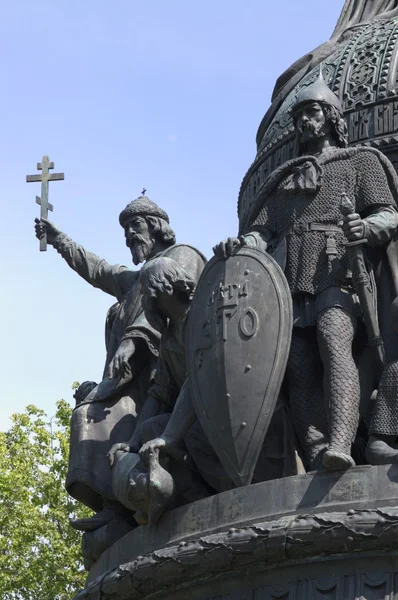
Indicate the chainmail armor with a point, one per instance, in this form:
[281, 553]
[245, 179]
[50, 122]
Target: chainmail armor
[307, 406]
[385, 416]
[287, 212]
[335, 332]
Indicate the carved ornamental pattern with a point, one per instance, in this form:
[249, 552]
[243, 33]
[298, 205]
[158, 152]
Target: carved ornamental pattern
[358, 586]
[364, 74]
[170, 572]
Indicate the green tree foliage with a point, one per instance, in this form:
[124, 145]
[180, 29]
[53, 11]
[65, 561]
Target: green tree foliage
[39, 551]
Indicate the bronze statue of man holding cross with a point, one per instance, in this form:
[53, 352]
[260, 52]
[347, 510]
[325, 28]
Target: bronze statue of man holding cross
[105, 413]
[44, 166]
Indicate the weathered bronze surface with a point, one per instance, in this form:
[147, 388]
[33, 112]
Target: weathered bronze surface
[238, 337]
[321, 535]
[359, 64]
[363, 287]
[44, 166]
[276, 358]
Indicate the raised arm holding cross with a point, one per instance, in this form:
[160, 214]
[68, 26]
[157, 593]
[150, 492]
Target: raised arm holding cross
[44, 178]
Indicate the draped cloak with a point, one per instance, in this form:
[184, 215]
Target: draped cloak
[108, 414]
[383, 259]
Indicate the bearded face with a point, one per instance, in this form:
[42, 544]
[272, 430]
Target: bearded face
[139, 239]
[141, 248]
[311, 122]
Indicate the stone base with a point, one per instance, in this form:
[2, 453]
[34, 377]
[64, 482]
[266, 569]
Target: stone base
[315, 536]
[94, 543]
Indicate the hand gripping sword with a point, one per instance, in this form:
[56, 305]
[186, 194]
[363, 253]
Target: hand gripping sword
[363, 286]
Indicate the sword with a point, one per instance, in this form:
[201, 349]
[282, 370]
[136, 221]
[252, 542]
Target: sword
[363, 286]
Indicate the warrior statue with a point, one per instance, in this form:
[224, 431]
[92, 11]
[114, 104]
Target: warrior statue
[355, 13]
[297, 218]
[168, 423]
[105, 414]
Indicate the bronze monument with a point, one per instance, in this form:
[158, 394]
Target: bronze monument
[242, 444]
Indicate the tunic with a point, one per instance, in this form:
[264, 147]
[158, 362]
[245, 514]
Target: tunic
[308, 217]
[298, 219]
[171, 366]
[277, 458]
[108, 414]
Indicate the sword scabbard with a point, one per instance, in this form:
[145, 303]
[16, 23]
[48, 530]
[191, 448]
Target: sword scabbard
[361, 282]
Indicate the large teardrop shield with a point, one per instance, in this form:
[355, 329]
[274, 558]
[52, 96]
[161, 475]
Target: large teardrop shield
[238, 339]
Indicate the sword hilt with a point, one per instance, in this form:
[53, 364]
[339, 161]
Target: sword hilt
[361, 282]
[361, 242]
[347, 208]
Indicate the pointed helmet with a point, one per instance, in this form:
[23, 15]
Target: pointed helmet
[317, 92]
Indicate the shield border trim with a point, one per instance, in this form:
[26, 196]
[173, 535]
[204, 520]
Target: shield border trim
[244, 477]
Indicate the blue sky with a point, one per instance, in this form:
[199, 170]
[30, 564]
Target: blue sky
[166, 94]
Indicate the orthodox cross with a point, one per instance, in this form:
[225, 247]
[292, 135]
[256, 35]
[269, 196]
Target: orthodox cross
[143, 191]
[44, 178]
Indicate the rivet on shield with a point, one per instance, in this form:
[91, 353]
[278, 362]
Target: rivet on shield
[227, 396]
[247, 272]
[247, 368]
[243, 424]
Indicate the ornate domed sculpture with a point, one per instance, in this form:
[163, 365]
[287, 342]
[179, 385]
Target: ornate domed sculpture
[330, 533]
[360, 64]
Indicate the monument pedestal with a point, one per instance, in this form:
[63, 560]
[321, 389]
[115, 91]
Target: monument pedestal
[316, 536]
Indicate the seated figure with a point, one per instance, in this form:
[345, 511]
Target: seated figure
[176, 463]
[106, 413]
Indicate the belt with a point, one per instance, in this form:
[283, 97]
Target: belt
[329, 230]
[302, 227]
[331, 249]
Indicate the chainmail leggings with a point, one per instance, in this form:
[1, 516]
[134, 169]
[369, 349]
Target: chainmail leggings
[335, 333]
[323, 386]
[308, 410]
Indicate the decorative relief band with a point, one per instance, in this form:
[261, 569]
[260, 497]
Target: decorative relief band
[363, 74]
[287, 539]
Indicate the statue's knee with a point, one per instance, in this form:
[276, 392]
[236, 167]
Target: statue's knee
[153, 427]
[83, 391]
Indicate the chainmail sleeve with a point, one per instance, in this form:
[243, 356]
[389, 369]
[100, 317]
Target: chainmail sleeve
[385, 416]
[373, 188]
